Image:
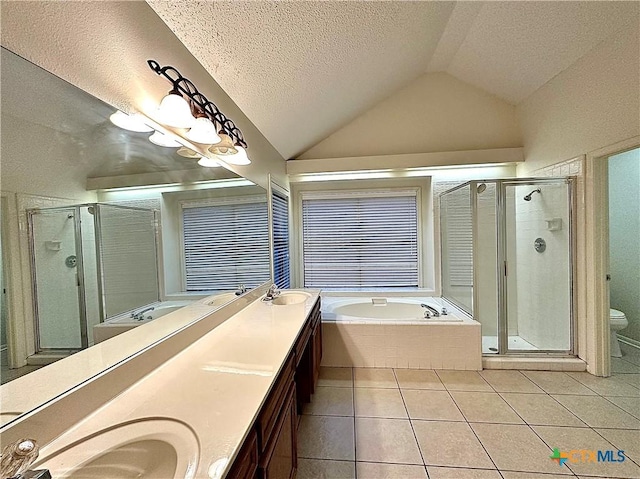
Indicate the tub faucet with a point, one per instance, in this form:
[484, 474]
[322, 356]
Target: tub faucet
[272, 292]
[139, 316]
[241, 289]
[17, 457]
[430, 311]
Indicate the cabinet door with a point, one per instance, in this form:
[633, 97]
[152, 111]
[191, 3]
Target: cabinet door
[281, 459]
[246, 464]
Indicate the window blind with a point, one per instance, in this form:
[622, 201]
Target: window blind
[281, 240]
[361, 240]
[225, 244]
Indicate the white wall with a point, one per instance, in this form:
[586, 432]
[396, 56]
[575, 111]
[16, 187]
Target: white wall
[593, 103]
[435, 113]
[624, 238]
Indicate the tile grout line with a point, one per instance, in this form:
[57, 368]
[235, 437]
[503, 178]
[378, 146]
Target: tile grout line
[468, 424]
[415, 437]
[353, 403]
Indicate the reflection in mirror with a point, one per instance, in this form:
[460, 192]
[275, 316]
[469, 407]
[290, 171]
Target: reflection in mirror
[280, 239]
[99, 223]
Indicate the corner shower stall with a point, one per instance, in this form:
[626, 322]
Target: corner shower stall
[89, 262]
[506, 249]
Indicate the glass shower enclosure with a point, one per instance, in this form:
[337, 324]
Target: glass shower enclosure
[88, 262]
[507, 260]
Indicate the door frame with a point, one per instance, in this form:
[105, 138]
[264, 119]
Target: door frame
[596, 205]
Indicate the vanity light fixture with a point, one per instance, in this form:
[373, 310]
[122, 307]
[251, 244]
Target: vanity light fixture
[175, 111]
[161, 139]
[211, 127]
[130, 122]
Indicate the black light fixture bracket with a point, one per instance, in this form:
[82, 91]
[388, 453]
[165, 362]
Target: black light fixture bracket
[186, 87]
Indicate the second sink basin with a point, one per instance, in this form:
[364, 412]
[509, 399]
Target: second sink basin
[294, 297]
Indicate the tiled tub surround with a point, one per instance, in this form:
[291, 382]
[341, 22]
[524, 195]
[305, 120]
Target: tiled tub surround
[450, 342]
[215, 386]
[399, 423]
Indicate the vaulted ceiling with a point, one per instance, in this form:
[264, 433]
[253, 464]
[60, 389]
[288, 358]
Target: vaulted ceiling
[301, 70]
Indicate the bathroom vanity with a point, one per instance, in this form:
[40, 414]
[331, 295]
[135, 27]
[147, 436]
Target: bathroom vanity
[226, 404]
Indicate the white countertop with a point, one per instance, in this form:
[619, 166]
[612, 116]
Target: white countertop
[216, 386]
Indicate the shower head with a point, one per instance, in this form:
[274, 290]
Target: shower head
[528, 197]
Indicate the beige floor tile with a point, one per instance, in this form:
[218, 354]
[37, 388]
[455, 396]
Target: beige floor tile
[510, 381]
[485, 407]
[541, 409]
[372, 470]
[624, 439]
[632, 379]
[323, 469]
[596, 411]
[557, 383]
[623, 366]
[446, 443]
[463, 381]
[324, 437]
[435, 405]
[386, 440]
[418, 379]
[516, 448]
[611, 386]
[371, 402]
[569, 438]
[530, 475]
[461, 473]
[335, 377]
[631, 354]
[331, 401]
[631, 405]
[374, 378]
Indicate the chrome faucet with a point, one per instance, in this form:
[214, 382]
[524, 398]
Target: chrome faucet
[139, 316]
[272, 292]
[241, 289]
[430, 311]
[16, 459]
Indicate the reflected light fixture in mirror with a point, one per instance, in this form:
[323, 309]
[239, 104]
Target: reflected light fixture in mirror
[208, 162]
[161, 139]
[224, 147]
[130, 122]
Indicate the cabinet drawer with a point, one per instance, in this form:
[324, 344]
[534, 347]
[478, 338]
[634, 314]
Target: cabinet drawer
[273, 405]
[246, 463]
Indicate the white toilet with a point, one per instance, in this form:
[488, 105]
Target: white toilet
[618, 321]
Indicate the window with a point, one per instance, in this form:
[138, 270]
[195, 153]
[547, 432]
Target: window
[225, 243]
[280, 240]
[360, 239]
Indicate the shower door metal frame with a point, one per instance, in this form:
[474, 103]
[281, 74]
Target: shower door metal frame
[503, 326]
[80, 283]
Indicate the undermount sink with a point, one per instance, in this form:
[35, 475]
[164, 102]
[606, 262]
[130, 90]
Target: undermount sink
[290, 298]
[150, 448]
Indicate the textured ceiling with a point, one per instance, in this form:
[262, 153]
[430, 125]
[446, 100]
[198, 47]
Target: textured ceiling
[301, 70]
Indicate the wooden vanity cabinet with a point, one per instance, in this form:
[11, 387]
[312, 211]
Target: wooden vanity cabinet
[270, 451]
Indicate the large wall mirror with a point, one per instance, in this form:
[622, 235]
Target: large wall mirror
[98, 222]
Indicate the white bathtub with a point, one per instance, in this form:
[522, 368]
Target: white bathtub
[377, 309]
[391, 331]
[124, 322]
